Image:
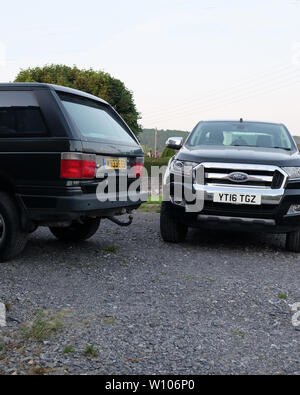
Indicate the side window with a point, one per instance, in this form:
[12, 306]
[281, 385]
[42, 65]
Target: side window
[20, 115]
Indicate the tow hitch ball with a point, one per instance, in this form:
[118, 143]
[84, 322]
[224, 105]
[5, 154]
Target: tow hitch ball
[121, 223]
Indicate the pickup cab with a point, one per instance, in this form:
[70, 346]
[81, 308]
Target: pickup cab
[233, 175]
[57, 145]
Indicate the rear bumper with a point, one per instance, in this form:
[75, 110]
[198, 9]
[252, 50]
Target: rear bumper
[71, 207]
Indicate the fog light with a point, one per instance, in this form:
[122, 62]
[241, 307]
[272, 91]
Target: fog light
[294, 209]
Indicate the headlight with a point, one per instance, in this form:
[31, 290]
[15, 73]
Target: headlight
[293, 172]
[182, 167]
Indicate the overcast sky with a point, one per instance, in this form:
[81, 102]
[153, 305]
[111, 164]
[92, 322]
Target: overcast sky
[184, 60]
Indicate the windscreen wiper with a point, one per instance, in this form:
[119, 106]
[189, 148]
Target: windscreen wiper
[242, 145]
[285, 148]
[239, 145]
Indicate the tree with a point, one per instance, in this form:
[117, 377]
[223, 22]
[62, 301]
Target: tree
[97, 83]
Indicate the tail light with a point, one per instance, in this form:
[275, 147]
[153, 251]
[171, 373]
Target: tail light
[137, 167]
[78, 166]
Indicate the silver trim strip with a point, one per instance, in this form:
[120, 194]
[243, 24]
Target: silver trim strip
[240, 166]
[238, 220]
[235, 185]
[225, 176]
[78, 156]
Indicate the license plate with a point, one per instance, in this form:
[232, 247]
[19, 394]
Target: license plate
[115, 164]
[237, 198]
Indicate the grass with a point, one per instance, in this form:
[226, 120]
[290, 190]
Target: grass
[44, 325]
[110, 320]
[282, 296]
[153, 205]
[154, 199]
[149, 208]
[86, 323]
[134, 360]
[69, 350]
[239, 333]
[190, 278]
[91, 351]
[111, 249]
[209, 279]
[39, 371]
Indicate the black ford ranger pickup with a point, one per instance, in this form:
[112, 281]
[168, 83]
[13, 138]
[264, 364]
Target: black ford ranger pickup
[247, 175]
[55, 146]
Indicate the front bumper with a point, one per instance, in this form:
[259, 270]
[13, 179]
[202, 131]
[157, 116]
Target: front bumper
[268, 196]
[271, 216]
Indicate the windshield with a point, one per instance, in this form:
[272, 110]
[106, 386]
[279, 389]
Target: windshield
[241, 134]
[96, 121]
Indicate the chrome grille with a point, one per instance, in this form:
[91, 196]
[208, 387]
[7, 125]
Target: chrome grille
[247, 176]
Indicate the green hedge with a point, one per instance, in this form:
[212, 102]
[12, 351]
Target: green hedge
[168, 153]
[149, 162]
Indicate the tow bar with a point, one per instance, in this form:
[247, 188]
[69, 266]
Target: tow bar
[120, 223]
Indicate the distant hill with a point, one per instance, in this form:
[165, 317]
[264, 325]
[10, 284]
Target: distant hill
[147, 137]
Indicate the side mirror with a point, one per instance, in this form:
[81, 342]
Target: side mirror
[175, 143]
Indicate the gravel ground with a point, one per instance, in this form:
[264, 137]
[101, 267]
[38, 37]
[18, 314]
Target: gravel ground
[126, 303]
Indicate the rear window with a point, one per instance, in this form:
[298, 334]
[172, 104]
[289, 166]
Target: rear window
[96, 121]
[20, 115]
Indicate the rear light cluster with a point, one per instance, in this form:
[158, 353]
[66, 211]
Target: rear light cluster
[138, 167]
[78, 166]
[83, 166]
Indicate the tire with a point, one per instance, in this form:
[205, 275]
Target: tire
[12, 238]
[293, 241]
[172, 231]
[77, 231]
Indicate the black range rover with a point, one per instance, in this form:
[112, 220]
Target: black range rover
[55, 146]
[248, 179]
